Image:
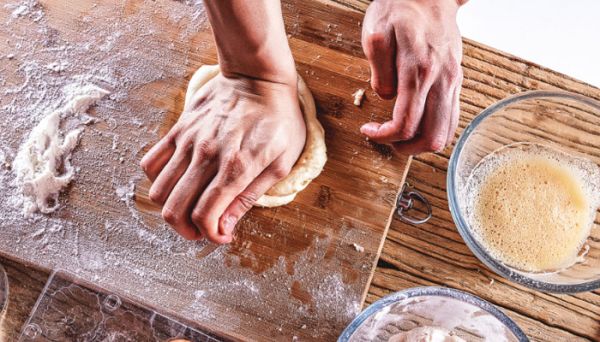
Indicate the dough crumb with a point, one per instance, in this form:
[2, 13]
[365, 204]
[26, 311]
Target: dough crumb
[358, 96]
[358, 247]
[491, 282]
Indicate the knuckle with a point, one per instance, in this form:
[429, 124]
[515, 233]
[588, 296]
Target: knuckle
[172, 136]
[212, 235]
[234, 167]
[247, 200]
[406, 133]
[205, 149]
[382, 89]
[145, 165]
[203, 223]
[425, 68]
[171, 216]
[281, 171]
[155, 196]
[408, 130]
[185, 142]
[426, 61]
[189, 236]
[374, 41]
[198, 218]
[452, 72]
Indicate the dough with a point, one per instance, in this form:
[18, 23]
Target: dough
[426, 334]
[313, 157]
[43, 164]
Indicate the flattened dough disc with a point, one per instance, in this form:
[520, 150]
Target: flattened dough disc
[313, 157]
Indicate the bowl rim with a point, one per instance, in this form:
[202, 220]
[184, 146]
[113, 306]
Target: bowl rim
[463, 227]
[433, 291]
[5, 295]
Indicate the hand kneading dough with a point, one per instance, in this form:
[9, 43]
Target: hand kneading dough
[313, 157]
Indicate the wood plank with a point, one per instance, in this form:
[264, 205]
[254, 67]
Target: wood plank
[435, 254]
[490, 75]
[291, 271]
[25, 284]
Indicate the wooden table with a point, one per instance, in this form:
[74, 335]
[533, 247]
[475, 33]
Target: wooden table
[433, 253]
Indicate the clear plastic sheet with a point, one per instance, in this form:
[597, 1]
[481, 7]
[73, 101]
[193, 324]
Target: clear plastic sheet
[72, 311]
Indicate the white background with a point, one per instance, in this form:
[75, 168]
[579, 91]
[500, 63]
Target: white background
[563, 35]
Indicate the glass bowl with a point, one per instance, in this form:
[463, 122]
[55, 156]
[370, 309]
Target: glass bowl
[3, 295]
[468, 317]
[561, 120]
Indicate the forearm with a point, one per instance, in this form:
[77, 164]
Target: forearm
[251, 39]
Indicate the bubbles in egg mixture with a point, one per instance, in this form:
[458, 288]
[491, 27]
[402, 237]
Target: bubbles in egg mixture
[532, 207]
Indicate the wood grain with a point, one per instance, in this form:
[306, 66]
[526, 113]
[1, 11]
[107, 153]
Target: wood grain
[288, 267]
[430, 254]
[26, 283]
[351, 202]
[435, 254]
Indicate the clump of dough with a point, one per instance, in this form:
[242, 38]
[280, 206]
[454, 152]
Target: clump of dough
[43, 164]
[313, 158]
[358, 96]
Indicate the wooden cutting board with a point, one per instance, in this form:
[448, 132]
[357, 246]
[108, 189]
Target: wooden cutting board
[297, 270]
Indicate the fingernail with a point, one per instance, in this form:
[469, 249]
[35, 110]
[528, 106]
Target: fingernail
[366, 129]
[229, 224]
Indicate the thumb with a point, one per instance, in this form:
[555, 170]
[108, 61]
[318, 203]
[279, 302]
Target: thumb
[246, 200]
[382, 133]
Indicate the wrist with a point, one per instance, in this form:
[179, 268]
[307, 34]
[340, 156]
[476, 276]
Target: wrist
[263, 62]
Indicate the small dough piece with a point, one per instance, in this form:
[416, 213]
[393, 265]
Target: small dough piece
[358, 96]
[313, 158]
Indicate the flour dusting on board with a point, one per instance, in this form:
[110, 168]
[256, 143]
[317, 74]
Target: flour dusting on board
[128, 49]
[43, 164]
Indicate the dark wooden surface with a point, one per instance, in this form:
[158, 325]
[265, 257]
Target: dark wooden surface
[325, 42]
[26, 283]
[433, 253]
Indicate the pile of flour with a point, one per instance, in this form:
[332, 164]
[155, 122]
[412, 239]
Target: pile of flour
[43, 164]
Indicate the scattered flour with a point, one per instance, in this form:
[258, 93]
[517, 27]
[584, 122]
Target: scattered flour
[43, 164]
[29, 8]
[57, 66]
[19, 11]
[99, 234]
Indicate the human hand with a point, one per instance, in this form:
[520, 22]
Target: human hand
[241, 137]
[414, 49]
